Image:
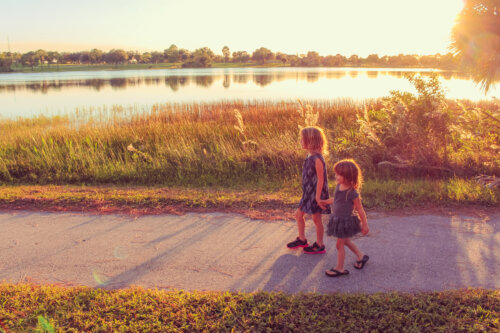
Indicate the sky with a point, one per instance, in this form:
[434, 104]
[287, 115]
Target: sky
[362, 27]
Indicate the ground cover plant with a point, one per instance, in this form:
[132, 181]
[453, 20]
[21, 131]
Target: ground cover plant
[50, 308]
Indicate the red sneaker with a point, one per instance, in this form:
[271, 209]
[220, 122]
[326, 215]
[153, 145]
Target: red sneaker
[297, 243]
[315, 249]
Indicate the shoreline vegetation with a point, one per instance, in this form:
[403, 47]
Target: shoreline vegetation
[51, 308]
[413, 149]
[174, 57]
[123, 67]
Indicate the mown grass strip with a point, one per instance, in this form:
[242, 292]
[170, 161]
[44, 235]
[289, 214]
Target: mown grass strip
[273, 201]
[27, 307]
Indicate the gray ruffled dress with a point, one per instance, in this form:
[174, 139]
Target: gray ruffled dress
[343, 223]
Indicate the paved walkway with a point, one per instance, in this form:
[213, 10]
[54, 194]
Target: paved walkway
[218, 251]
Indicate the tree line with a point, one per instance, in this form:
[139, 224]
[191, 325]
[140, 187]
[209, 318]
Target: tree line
[205, 57]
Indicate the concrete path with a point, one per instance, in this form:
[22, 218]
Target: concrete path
[218, 251]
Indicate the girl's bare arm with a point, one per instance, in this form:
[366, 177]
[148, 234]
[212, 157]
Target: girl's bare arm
[321, 179]
[362, 215]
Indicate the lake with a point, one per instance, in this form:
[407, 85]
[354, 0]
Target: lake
[52, 93]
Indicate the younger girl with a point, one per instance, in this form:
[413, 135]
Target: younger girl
[343, 224]
[314, 189]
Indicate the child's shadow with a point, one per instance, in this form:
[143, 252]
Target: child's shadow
[289, 272]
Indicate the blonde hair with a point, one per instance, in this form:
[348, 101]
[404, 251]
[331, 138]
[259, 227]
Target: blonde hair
[315, 139]
[351, 172]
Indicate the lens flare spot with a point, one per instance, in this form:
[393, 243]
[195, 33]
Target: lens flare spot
[120, 252]
[100, 281]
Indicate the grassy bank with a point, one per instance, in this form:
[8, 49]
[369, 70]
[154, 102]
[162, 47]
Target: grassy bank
[275, 201]
[207, 145]
[28, 307]
[411, 148]
[112, 67]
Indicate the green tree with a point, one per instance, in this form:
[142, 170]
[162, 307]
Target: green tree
[95, 56]
[41, 56]
[172, 53]
[262, 55]
[226, 53]
[372, 59]
[134, 57]
[337, 60]
[146, 57]
[84, 57]
[281, 57]
[53, 57]
[29, 59]
[116, 56]
[5, 62]
[241, 56]
[156, 57]
[312, 59]
[184, 54]
[201, 57]
[354, 60]
[72, 58]
[476, 40]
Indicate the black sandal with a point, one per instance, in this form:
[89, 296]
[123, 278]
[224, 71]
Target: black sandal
[361, 262]
[336, 272]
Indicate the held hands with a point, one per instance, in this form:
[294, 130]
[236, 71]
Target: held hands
[322, 203]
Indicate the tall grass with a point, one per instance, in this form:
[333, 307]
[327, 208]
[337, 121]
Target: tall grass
[199, 144]
[185, 143]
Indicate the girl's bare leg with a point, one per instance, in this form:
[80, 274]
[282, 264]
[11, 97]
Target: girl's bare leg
[319, 228]
[340, 254]
[354, 248]
[356, 251]
[301, 224]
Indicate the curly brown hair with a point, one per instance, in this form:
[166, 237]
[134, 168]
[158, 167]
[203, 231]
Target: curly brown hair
[351, 172]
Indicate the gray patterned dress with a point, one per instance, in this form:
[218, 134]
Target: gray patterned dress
[343, 222]
[308, 202]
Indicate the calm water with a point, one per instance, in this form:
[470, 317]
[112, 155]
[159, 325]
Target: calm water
[60, 93]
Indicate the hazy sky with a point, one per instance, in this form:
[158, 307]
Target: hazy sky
[327, 26]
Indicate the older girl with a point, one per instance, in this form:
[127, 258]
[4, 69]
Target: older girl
[314, 189]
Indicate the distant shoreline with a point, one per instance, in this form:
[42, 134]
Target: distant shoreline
[110, 67]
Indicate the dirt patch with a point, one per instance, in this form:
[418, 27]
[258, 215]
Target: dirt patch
[266, 212]
[103, 207]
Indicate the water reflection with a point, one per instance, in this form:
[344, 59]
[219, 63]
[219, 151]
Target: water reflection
[227, 81]
[204, 81]
[121, 83]
[353, 74]
[240, 78]
[312, 77]
[336, 74]
[262, 79]
[54, 93]
[174, 82]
